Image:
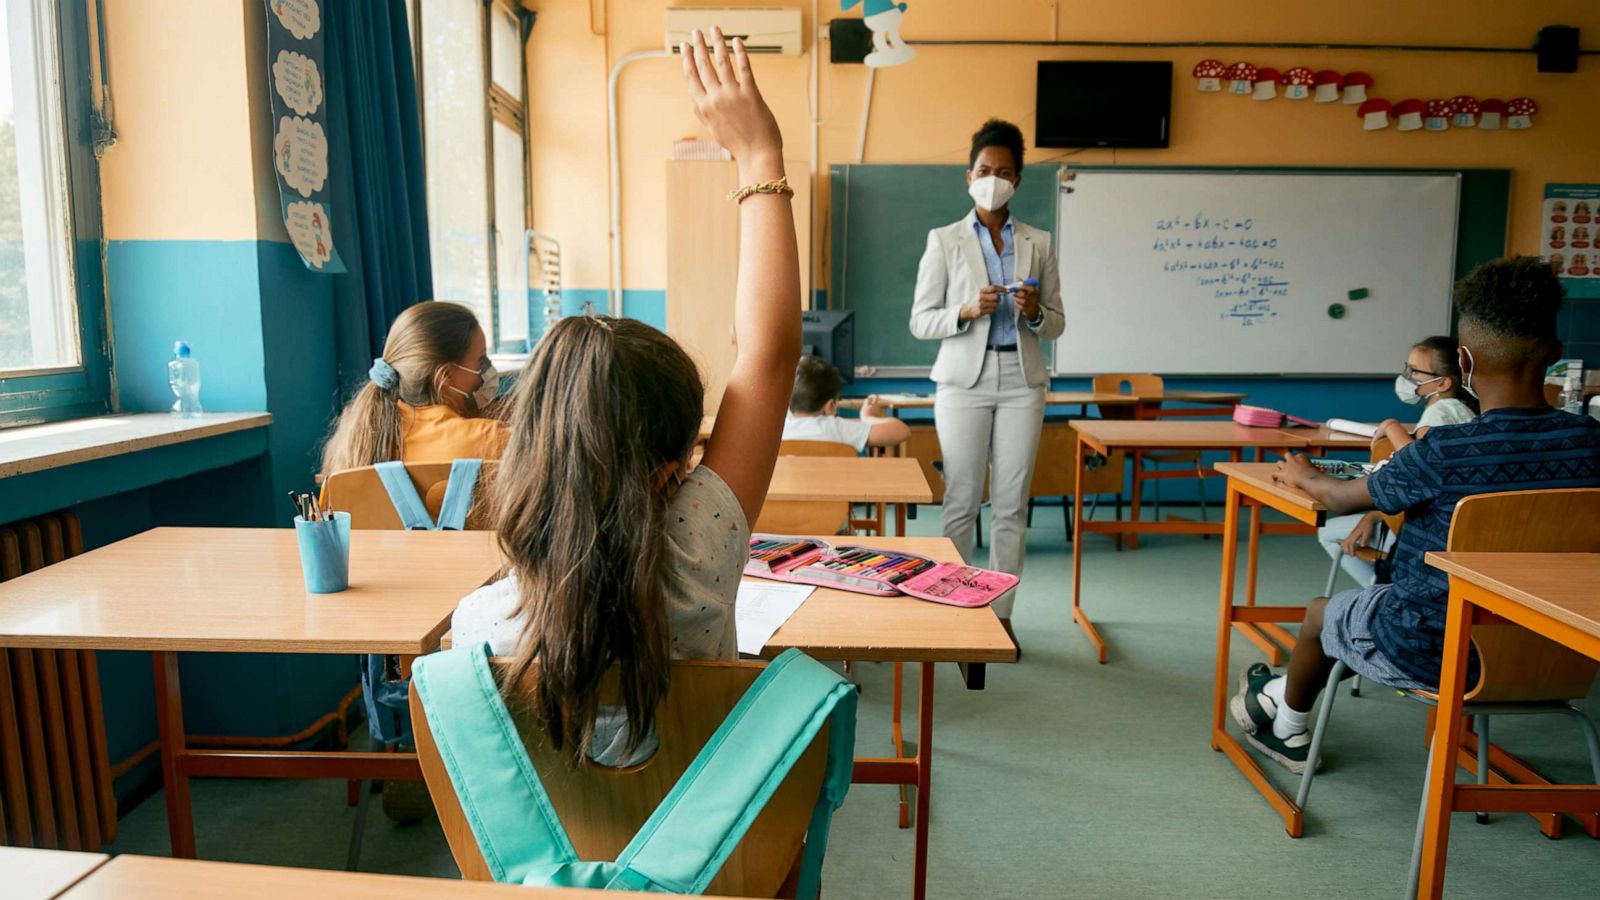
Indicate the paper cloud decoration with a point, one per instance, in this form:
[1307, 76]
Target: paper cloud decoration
[300, 154]
[302, 18]
[298, 81]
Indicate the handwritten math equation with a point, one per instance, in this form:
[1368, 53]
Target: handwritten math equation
[1227, 257]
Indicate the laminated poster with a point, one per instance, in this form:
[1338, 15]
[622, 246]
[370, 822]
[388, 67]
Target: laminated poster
[300, 129]
[1569, 237]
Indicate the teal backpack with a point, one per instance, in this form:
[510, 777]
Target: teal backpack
[686, 841]
[385, 692]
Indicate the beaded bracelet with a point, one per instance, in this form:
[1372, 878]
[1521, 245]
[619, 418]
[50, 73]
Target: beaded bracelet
[778, 185]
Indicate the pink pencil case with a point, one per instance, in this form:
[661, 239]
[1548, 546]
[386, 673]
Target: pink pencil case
[1262, 417]
[870, 570]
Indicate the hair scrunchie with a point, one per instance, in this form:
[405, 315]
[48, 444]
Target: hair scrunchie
[383, 375]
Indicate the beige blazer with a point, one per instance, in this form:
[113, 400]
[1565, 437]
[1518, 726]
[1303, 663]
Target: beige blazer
[949, 277]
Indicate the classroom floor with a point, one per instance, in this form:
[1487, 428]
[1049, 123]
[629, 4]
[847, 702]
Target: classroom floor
[1065, 777]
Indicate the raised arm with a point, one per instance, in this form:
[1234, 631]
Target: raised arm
[766, 318]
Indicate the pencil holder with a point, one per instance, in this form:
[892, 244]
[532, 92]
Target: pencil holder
[324, 552]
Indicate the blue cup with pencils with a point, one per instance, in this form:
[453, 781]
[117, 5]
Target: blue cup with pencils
[324, 538]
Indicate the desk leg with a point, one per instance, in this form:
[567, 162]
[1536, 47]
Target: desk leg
[169, 724]
[919, 887]
[1258, 634]
[897, 738]
[1080, 464]
[899, 519]
[1446, 745]
[1135, 459]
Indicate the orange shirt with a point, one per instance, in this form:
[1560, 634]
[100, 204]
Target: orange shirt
[438, 433]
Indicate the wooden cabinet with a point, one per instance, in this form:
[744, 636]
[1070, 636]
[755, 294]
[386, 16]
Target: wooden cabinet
[703, 262]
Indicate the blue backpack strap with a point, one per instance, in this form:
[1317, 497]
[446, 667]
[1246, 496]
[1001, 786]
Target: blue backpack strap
[516, 827]
[403, 494]
[458, 494]
[689, 837]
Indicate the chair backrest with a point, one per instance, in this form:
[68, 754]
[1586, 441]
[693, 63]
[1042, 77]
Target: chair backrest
[1382, 449]
[602, 809]
[1054, 467]
[360, 493]
[806, 516]
[1126, 383]
[1518, 665]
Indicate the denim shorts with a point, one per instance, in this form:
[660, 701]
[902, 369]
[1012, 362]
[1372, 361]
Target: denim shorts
[1347, 635]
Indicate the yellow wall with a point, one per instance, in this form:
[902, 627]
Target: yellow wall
[925, 111]
[182, 168]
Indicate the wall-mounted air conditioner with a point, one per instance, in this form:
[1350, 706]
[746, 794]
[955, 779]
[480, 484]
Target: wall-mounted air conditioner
[764, 30]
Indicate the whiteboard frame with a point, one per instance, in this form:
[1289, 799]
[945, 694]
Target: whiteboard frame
[1063, 185]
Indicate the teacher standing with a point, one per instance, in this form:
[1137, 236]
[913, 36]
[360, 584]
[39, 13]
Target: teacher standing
[990, 371]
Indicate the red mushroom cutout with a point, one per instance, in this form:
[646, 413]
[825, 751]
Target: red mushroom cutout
[1519, 113]
[1241, 78]
[1438, 116]
[1464, 110]
[1354, 87]
[1489, 113]
[1266, 84]
[1326, 88]
[1374, 114]
[1210, 72]
[1297, 83]
[1408, 115]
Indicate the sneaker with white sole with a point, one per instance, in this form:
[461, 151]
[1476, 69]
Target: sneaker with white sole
[1251, 707]
[1290, 752]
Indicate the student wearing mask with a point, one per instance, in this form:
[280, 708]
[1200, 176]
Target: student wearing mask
[426, 398]
[990, 370]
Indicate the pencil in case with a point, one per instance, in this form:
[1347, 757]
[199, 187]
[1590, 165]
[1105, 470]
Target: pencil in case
[775, 556]
[1262, 417]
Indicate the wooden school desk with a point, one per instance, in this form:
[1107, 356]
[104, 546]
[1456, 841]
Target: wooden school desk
[893, 480]
[839, 625]
[27, 874]
[157, 878]
[1251, 484]
[239, 590]
[1105, 437]
[1556, 595]
[1082, 399]
[1206, 403]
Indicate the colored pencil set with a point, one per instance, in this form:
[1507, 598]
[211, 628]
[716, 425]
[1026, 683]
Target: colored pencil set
[769, 553]
[870, 570]
[873, 566]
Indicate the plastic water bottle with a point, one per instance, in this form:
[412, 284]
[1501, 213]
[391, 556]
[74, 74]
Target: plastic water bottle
[1572, 394]
[183, 374]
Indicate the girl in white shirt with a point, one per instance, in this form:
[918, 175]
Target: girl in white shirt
[1432, 379]
[622, 559]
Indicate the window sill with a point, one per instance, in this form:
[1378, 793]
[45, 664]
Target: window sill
[38, 448]
[509, 363]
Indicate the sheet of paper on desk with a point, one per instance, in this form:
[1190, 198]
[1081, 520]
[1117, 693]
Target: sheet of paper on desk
[761, 609]
[1348, 427]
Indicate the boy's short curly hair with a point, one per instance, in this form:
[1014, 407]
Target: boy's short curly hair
[1517, 297]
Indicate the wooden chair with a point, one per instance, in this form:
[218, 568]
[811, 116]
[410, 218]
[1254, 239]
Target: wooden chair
[1053, 472]
[360, 493]
[1520, 673]
[1141, 383]
[602, 808]
[812, 516]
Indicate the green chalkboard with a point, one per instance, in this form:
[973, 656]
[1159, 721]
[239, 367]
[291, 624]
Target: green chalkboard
[880, 219]
[880, 216]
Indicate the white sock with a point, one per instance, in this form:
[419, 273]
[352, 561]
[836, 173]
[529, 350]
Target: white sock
[1288, 722]
[1274, 689]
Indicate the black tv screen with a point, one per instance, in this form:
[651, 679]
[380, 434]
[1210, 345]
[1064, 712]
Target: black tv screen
[1104, 104]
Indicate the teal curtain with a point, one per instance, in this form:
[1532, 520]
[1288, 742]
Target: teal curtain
[375, 166]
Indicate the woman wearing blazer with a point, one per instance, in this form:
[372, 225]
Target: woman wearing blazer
[990, 371]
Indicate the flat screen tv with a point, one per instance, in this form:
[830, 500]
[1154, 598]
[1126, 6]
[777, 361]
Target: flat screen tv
[1104, 104]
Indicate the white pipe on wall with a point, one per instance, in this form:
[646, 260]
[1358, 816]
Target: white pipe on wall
[866, 113]
[614, 296]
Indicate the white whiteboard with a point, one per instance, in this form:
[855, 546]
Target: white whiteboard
[1234, 273]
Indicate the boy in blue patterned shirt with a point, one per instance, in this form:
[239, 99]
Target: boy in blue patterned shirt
[1394, 633]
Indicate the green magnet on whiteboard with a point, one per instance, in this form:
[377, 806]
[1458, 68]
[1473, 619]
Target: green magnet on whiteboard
[1358, 294]
[1336, 310]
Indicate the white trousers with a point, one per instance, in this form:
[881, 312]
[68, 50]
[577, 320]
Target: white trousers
[1334, 531]
[990, 429]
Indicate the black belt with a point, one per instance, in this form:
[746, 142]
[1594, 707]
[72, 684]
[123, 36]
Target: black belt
[1003, 348]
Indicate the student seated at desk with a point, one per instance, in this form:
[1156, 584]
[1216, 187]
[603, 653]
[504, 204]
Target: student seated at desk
[814, 412]
[425, 398]
[1431, 378]
[621, 559]
[1394, 633]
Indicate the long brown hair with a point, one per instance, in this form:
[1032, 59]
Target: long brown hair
[602, 408]
[423, 340]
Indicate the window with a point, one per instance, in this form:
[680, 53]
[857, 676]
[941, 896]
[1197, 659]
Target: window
[52, 364]
[476, 155]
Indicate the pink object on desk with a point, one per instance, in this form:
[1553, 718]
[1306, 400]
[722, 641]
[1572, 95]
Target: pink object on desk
[868, 570]
[1261, 417]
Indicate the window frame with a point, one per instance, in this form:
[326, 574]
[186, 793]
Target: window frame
[51, 394]
[500, 108]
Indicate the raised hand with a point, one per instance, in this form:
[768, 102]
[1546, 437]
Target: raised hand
[726, 100]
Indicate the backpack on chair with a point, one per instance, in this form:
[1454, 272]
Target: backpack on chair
[466, 729]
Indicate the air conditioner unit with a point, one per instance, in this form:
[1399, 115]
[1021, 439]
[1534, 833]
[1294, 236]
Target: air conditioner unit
[764, 30]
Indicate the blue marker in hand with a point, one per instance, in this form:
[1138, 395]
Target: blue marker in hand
[1026, 282]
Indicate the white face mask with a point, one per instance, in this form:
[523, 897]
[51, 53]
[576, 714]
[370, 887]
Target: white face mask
[486, 392]
[1467, 365]
[991, 192]
[1406, 389]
